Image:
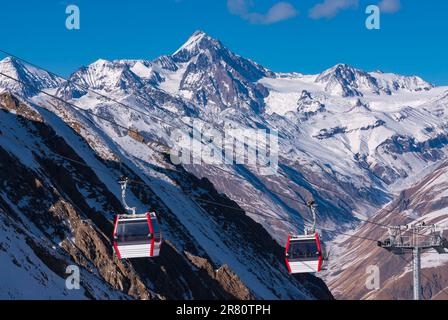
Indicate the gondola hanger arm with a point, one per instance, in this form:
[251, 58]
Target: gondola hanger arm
[124, 185]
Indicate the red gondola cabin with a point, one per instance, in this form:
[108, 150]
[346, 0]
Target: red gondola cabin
[304, 254]
[137, 236]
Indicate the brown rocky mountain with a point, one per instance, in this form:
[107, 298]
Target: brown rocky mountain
[426, 201]
[56, 210]
[349, 139]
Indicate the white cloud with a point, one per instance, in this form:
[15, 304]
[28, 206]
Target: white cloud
[330, 8]
[239, 7]
[278, 12]
[390, 6]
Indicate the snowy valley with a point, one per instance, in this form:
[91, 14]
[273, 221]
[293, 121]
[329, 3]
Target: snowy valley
[358, 143]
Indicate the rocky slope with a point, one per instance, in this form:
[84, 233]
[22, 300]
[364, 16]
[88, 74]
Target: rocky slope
[426, 201]
[350, 139]
[57, 204]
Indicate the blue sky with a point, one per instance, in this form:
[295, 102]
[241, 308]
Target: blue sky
[292, 35]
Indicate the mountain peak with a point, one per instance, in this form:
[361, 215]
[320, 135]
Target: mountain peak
[198, 42]
[8, 60]
[199, 33]
[341, 68]
[31, 79]
[101, 62]
[347, 81]
[198, 36]
[9, 64]
[343, 79]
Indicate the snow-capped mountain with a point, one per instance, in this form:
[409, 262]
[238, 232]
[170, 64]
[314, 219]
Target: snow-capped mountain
[212, 76]
[31, 78]
[391, 83]
[348, 138]
[347, 81]
[59, 198]
[108, 76]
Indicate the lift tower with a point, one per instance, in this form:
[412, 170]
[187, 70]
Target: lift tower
[416, 239]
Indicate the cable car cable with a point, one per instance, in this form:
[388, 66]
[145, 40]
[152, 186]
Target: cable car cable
[87, 88]
[266, 215]
[123, 127]
[163, 121]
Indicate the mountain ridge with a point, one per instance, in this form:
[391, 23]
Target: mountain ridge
[348, 139]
